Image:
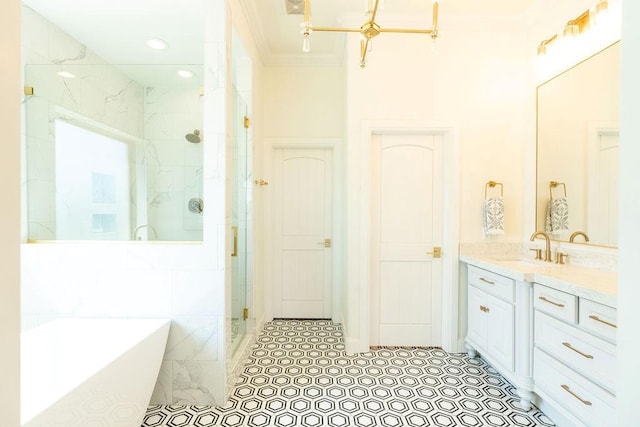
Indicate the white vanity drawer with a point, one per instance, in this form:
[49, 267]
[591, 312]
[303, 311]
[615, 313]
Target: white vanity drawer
[591, 356]
[557, 303]
[600, 319]
[492, 283]
[588, 402]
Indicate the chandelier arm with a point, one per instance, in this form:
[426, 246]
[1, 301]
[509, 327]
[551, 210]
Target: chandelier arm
[307, 12]
[405, 31]
[364, 48]
[335, 29]
[435, 16]
[375, 12]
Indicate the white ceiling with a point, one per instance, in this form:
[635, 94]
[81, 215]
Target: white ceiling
[117, 30]
[280, 41]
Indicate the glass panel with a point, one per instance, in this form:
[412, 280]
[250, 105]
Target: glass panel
[94, 71]
[242, 188]
[239, 217]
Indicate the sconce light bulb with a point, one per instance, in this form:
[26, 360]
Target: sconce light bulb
[602, 6]
[570, 30]
[306, 45]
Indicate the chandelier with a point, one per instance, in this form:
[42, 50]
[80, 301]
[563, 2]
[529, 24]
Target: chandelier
[368, 30]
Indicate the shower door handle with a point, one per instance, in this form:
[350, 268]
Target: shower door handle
[235, 241]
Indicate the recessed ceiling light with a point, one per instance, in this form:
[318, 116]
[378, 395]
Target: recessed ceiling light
[157, 44]
[66, 75]
[186, 74]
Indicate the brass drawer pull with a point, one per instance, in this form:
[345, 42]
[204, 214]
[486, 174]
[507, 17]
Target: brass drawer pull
[568, 390]
[487, 281]
[557, 304]
[588, 356]
[597, 319]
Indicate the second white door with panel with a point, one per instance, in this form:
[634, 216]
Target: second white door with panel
[302, 233]
[407, 223]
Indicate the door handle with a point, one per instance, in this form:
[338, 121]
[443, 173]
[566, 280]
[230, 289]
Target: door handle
[437, 252]
[326, 243]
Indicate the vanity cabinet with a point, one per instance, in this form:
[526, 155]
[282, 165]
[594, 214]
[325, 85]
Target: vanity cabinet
[575, 355]
[499, 326]
[491, 326]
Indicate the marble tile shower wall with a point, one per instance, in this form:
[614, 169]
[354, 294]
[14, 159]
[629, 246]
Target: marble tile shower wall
[174, 165]
[184, 282]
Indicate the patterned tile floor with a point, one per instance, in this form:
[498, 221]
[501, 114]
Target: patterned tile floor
[299, 375]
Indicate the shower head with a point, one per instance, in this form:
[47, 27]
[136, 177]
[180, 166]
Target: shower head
[193, 137]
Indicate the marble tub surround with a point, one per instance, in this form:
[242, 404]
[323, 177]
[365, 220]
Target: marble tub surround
[595, 284]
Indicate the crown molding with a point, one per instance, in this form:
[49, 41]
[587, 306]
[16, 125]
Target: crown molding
[269, 58]
[257, 31]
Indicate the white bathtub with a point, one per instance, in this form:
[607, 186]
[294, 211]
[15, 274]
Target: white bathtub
[90, 372]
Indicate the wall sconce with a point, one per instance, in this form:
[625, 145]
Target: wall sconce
[576, 26]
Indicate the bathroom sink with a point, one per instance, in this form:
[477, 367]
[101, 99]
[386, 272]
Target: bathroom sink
[527, 263]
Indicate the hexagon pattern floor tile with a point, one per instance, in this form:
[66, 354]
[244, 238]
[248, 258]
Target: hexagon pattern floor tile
[299, 375]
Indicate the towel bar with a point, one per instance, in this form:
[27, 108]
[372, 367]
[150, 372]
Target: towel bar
[554, 184]
[493, 184]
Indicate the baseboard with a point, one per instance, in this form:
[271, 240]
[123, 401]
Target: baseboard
[258, 324]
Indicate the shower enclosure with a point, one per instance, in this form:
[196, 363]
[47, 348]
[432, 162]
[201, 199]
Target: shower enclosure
[241, 198]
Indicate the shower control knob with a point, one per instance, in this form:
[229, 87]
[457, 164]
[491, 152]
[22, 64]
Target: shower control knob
[196, 205]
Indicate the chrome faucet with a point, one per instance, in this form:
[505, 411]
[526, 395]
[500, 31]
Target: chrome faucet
[134, 235]
[547, 249]
[578, 233]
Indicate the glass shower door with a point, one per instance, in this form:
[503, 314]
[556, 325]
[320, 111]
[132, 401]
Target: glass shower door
[241, 192]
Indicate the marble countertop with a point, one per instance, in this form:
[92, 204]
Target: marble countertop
[593, 284]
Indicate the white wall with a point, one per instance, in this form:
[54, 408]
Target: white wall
[303, 102]
[10, 87]
[477, 80]
[628, 289]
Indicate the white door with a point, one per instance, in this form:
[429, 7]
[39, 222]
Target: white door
[407, 191]
[302, 235]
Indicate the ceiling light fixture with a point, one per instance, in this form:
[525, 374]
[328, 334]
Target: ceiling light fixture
[185, 74]
[368, 30]
[157, 44]
[576, 26]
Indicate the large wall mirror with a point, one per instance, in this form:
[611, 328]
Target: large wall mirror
[577, 150]
[113, 119]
